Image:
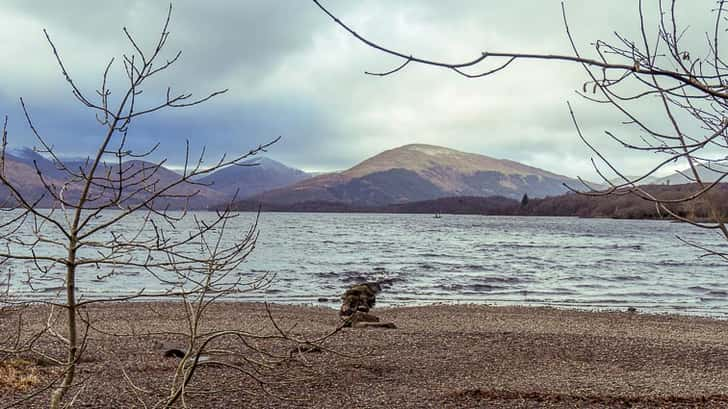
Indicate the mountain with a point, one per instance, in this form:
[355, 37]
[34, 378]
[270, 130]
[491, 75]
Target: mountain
[252, 177]
[24, 176]
[707, 174]
[141, 180]
[22, 167]
[422, 172]
[649, 180]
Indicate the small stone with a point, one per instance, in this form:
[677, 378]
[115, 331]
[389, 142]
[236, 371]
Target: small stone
[174, 353]
[306, 349]
[631, 309]
[323, 299]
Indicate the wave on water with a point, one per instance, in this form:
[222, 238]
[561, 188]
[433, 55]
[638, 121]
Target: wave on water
[418, 260]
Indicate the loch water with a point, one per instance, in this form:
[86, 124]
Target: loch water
[420, 259]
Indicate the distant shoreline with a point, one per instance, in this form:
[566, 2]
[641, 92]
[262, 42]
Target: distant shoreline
[568, 205]
[625, 206]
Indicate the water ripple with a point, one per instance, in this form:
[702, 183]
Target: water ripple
[420, 260]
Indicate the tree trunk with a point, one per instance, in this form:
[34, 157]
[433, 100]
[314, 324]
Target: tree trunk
[60, 392]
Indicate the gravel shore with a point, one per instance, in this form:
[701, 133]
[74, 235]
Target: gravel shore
[442, 356]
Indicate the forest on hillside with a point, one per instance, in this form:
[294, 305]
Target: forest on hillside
[630, 206]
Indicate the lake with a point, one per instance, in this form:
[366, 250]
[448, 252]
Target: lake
[419, 259]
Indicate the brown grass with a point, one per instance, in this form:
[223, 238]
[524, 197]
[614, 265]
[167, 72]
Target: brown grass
[18, 374]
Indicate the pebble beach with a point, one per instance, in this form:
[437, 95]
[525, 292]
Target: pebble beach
[439, 356]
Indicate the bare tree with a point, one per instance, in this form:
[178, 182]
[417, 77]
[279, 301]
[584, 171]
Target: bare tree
[689, 87]
[79, 227]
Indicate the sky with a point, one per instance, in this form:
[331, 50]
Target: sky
[292, 72]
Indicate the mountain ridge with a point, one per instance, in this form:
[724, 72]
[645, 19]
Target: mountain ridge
[409, 173]
[24, 166]
[252, 176]
[420, 172]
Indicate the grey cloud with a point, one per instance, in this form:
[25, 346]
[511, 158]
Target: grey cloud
[292, 72]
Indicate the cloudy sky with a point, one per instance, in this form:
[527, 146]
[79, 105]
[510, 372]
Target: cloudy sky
[292, 72]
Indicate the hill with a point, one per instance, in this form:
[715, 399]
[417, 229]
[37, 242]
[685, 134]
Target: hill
[630, 206]
[707, 175]
[422, 172]
[252, 177]
[23, 168]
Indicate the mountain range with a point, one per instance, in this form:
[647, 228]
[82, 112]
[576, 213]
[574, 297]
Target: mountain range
[24, 168]
[407, 174]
